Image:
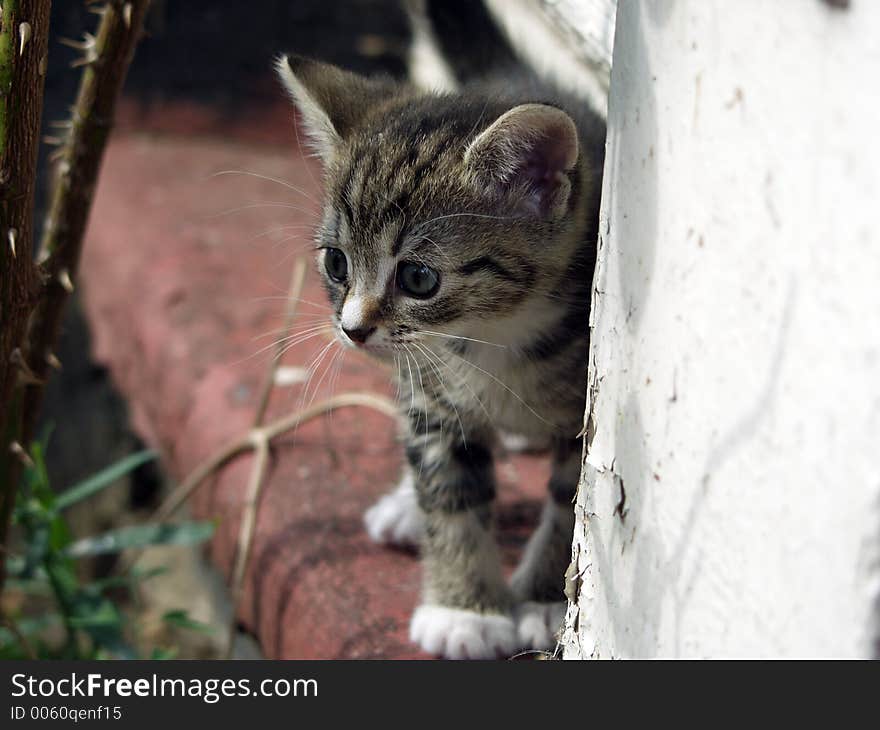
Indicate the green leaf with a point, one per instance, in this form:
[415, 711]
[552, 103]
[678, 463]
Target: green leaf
[102, 479]
[98, 615]
[181, 620]
[161, 654]
[61, 572]
[16, 566]
[46, 435]
[30, 626]
[136, 575]
[103, 621]
[10, 648]
[36, 478]
[138, 536]
[37, 586]
[59, 534]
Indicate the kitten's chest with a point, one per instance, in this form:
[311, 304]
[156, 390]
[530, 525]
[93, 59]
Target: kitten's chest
[520, 397]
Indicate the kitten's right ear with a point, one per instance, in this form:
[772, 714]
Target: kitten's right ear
[527, 154]
[331, 101]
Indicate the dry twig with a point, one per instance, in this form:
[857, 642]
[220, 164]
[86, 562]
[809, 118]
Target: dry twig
[261, 459]
[269, 432]
[294, 293]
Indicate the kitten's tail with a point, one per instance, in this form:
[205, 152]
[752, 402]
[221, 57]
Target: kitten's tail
[455, 42]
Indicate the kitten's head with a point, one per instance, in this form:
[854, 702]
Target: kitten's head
[443, 214]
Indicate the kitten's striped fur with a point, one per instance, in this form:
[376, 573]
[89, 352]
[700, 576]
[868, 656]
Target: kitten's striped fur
[494, 187]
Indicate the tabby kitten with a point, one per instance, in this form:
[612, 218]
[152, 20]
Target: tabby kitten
[458, 241]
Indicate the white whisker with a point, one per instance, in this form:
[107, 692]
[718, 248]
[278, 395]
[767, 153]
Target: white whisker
[290, 335]
[468, 215]
[318, 305]
[326, 370]
[290, 345]
[281, 354]
[460, 337]
[278, 229]
[412, 385]
[268, 178]
[407, 354]
[313, 371]
[261, 204]
[441, 362]
[506, 387]
[444, 385]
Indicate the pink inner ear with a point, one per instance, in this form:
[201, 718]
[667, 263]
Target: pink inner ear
[524, 157]
[542, 171]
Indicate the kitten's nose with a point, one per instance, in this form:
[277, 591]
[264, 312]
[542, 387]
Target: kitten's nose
[359, 335]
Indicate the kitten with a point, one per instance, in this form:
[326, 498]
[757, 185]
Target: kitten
[458, 241]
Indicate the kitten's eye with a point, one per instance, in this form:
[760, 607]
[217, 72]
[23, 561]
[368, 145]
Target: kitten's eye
[336, 264]
[417, 280]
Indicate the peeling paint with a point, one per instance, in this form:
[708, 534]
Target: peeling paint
[620, 508]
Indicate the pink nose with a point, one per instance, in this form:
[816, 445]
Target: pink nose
[359, 335]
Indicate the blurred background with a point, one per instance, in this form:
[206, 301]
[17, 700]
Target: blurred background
[187, 68]
[203, 68]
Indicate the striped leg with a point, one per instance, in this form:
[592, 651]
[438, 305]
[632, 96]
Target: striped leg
[538, 582]
[466, 603]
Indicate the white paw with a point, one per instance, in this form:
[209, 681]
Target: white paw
[537, 623]
[458, 634]
[396, 518]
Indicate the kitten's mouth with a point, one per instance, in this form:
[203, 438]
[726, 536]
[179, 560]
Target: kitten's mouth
[382, 351]
[373, 347]
[378, 352]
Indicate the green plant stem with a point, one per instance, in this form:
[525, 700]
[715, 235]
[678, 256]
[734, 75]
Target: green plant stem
[11, 624]
[62, 598]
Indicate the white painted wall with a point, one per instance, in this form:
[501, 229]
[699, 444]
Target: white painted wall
[568, 40]
[735, 362]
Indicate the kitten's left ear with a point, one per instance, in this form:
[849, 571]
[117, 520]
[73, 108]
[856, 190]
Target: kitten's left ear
[332, 101]
[526, 153]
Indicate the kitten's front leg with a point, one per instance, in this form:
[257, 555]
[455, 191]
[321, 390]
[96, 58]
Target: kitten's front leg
[538, 581]
[465, 613]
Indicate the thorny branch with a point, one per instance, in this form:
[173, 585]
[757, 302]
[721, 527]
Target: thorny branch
[32, 298]
[24, 38]
[106, 57]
